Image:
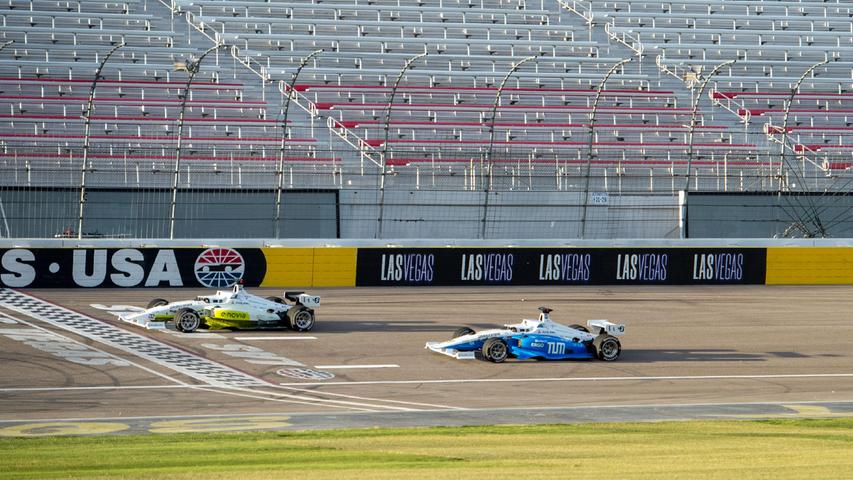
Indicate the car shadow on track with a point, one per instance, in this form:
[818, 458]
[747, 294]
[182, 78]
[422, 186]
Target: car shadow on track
[411, 326]
[691, 355]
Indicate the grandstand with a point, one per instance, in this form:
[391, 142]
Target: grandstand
[422, 118]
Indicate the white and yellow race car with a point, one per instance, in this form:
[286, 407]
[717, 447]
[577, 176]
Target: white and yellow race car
[233, 308]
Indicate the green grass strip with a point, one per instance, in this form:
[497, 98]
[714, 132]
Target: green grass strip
[777, 449]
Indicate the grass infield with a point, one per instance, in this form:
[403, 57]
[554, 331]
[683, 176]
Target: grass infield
[776, 449]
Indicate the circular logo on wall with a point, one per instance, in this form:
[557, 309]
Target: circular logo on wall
[219, 267]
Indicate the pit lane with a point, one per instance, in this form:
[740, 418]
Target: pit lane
[688, 352]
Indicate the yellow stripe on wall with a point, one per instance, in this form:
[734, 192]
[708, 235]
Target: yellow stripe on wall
[335, 267]
[310, 267]
[809, 265]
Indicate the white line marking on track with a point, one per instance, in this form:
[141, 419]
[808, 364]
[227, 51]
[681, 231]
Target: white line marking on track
[194, 334]
[115, 387]
[581, 379]
[323, 401]
[780, 403]
[445, 407]
[335, 367]
[276, 338]
[284, 398]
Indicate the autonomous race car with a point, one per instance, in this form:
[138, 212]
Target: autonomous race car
[536, 339]
[233, 308]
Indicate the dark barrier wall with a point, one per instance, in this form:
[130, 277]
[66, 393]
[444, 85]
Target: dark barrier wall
[218, 267]
[560, 266]
[131, 267]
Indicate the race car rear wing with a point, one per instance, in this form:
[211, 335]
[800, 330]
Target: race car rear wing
[615, 329]
[292, 296]
[301, 298]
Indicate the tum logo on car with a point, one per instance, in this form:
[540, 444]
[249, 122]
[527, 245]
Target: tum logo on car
[219, 267]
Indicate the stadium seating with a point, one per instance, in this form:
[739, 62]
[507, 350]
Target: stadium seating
[442, 110]
[774, 44]
[441, 117]
[46, 76]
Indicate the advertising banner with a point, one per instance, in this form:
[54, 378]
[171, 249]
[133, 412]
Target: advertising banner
[130, 267]
[560, 266]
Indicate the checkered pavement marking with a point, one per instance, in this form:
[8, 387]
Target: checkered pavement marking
[201, 369]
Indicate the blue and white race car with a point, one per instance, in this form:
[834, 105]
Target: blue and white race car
[538, 339]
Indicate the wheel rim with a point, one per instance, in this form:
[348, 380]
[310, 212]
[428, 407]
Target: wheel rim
[303, 319]
[189, 321]
[497, 351]
[609, 349]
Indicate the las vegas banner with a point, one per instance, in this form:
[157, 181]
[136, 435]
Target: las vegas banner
[560, 266]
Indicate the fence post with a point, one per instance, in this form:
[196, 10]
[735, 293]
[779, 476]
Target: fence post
[88, 116]
[488, 153]
[406, 66]
[693, 118]
[191, 66]
[783, 159]
[592, 136]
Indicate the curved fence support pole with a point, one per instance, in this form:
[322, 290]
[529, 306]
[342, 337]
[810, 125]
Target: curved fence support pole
[693, 113]
[289, 92]
[783, 157]
[192, 66]
[384, 165]
[489, 163]
[88, 116]
[592, 137]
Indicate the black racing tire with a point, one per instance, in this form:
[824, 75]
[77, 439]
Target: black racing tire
[276, 299]
[187, 320]
[301, 319]
[579, 327]
[607, 348]
[462, 331]
[157, 302]
[495, 350]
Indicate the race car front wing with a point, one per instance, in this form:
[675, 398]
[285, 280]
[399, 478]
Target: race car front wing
[450, 352]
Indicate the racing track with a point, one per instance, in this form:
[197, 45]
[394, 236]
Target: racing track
[689, 352]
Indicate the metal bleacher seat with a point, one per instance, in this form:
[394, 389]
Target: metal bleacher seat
[778, 46]
[47, 73]
[444, 103]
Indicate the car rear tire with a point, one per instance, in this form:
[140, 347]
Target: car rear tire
[301, 319]
[276, 299]
[187, 320]
[495, 350]
[461, 331]
[157, 302]
[607, 348]
[579, 327]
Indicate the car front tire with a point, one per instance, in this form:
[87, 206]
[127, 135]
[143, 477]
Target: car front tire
[495, 350]
[187, 320]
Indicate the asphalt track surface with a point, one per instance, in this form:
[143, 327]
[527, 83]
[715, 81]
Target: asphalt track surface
[71, 367]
